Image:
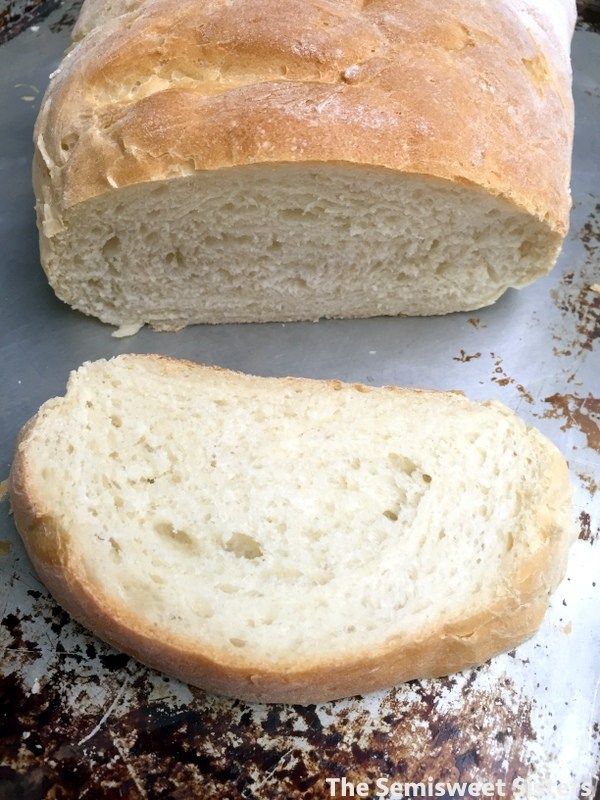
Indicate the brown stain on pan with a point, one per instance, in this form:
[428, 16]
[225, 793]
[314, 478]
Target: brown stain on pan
[502, 379]
[136, 741]
[576, 296]
[214, 748]
[589, 18]
[582, 413]
[586, 532]
[464, 358]
[223, 749]
[588, 483]
[68, 18]
[18, 15]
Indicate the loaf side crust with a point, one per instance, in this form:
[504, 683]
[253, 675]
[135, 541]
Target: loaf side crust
[514, 616]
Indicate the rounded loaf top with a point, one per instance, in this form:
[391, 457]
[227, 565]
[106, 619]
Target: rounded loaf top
[479, 94]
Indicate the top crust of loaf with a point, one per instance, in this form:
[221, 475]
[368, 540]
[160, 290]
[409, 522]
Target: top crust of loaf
[514, 614]
[152, 89]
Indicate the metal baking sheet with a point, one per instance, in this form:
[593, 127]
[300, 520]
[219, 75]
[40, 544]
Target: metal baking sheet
[80, 720]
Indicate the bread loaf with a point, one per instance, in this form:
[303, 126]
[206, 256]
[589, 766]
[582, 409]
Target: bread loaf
[289, 540]
[259, 160]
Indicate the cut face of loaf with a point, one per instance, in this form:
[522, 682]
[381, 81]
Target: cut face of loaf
[289, 540]
[257, 160]
[288, 242]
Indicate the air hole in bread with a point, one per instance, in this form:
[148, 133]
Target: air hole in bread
[287, 573]
[299, 283]
[69, 141]
[237, 642]
[175, 257]
[323, 579]
[203, 608]
[243, 546]
[168, 531]
[228, 588]
[402, 463]
[525, 248]
[111, 247]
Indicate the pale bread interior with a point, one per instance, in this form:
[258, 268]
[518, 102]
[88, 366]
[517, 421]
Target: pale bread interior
[284, 522]
[289, 242]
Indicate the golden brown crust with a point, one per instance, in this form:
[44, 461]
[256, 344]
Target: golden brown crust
[160, 88]
[515, 614]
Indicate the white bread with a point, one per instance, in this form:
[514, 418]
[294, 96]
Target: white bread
[289, 540]
[290, 159]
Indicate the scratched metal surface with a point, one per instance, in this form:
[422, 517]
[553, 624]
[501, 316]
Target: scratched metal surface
[79, 720]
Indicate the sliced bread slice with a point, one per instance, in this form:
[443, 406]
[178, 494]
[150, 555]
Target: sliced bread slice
[289, 540]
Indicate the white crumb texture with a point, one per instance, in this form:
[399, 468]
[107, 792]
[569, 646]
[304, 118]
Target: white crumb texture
[279, 520]
[288, 242]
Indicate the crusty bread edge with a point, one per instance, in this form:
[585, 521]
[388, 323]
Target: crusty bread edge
[511, 619]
